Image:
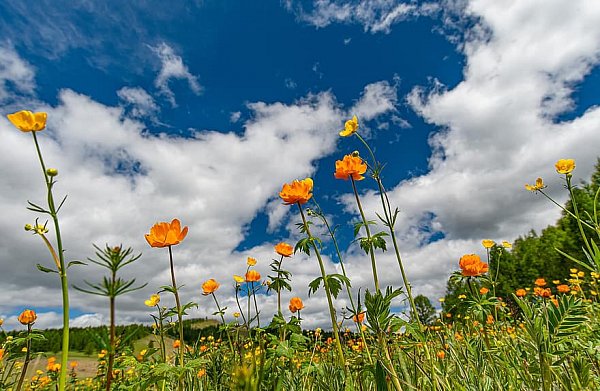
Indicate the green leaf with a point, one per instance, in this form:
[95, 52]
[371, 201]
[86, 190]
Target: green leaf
[76, 263]
[45, 269]
[314, 285]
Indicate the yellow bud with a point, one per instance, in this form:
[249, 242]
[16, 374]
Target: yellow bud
[52, 172]
[28, 227]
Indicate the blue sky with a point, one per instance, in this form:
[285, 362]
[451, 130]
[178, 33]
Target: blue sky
[202, 110]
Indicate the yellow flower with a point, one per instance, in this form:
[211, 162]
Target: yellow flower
[26, 121]
[488, 243]
[152, 301]
[210, 286]
[297, 191]
[27, 317]
[462, 296]
[251, 261]
[565, 166]
[350, 127]
[166, 234]
[539, 185]
[236, 314]
[506, 244]
[238, 279]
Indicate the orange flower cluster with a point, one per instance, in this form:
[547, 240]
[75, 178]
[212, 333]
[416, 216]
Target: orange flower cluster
[165, 234]
[284, 249]
[542, 292]
[472, 266]
[210, 286]
[52, 365]
[350, 166]
[296, 304]
[297, 192]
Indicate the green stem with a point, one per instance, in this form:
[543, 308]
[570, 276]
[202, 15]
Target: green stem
[565, 209]
[368, 231]
[255, 305]
[338, 344]
[179, 317]
[111, 351]
[223, 320]
[279, 287]
[27, 356]
[583, 236]
[62, 380]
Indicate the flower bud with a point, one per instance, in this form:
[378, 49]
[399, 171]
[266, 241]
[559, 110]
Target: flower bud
[27, 317]
[52, 172]
[355, 154]
[28, 227]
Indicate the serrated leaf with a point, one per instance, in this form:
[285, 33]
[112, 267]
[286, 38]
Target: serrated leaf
[314, 285]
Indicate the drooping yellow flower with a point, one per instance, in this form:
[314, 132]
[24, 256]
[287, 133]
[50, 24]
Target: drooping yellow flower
[565, 166]
[26, 121]
[350, 127]
[152, 301]
[284, 249]
[251, 261]
[488, 243]
[165, 234]
[539, 185]
[297, 191]
[210, 286]
[27, 317]
[350, 166]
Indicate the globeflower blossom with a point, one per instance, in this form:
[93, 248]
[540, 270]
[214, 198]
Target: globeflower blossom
[472, 266]
[350, 127]
[521, 292]
[488, 243]
[210, 286]
[251, 261]
[27, 317]
[297, 191]
[359, 318]
[26, 121]
[153, 301]
[252, 276]
[539, 185]
[165, 234]
[350, 166]
[565, 166]
[296, 304]
[284, 249]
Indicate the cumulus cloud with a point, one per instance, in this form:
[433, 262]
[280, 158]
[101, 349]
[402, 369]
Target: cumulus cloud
[139, 102]
[374, 15]
[15, 74]
[499, 131]
[172, 67]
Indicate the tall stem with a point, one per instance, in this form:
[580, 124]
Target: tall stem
[179, 316]
[279, 287]
[223, 320]
[368, 231]
[111, 351]
[27, 356]
[62, 379]
[327, 292]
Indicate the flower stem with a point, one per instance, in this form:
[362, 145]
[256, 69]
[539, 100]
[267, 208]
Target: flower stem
[27, 356]
[62, 380]
[338, 344]
[223, 320]
[179, 316]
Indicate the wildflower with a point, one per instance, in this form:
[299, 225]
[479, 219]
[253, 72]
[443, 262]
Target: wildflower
[472, 266]
[1, 354]
[284, 249]
[296, 304]
[238, 279]
[581, 274]
[540, 282]
[506, 244]
[252, 276]
[359, 318]
[441, 354]
[27, 317]
[565, 166]
[201, 373]
[26, 121]
[462, 296]
[251, 261]
[350, 166]
[563, 288]
[102, 353]
[152, 301]
[539, 185]
[488, 243]
[73, 364]
[521, 292]
[297, 191]
[165, 234]
[573, 270]
[483, 290]
[556, 282]
[350, 127]
[542, 292]
[490, 319]
[236, 315]
[176, 344]
[52, 172]
[210, 286]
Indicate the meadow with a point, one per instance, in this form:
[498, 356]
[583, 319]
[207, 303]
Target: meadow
[541, 336]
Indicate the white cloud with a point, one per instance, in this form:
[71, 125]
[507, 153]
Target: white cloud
[374, 15]
[498, 133]
[376, 99]
[15, 73]
[172, 67]
[139, 102]
[235, 116]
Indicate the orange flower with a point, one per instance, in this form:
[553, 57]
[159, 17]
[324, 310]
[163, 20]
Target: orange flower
[176, 344]
[297, 191]
[542, 292]
[250, 261]
[26, 121]
[252, 276]
[565, 166]
[350, 166]
[360, 318]
[563, 288]
[210, 286]
[441, 354]
[484, 290]
[521, 292]
[472, 266]
[166, 234]
[27, 317]
[540, 282]
[284, 249]
[296, 304]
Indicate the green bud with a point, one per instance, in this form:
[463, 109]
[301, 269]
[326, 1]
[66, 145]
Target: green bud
[52, 172]
[355, 154]
[28, 227]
